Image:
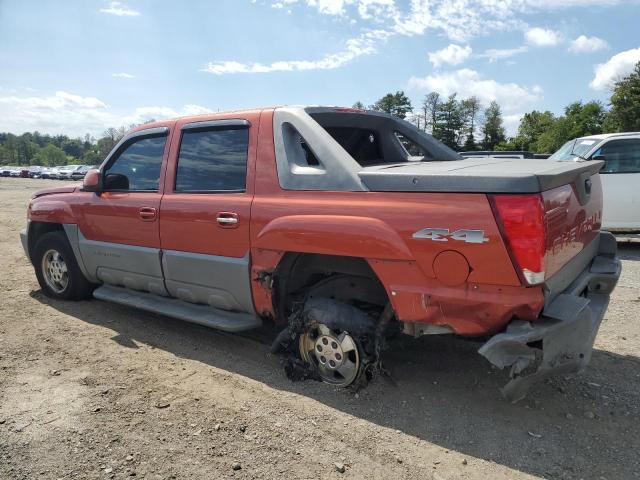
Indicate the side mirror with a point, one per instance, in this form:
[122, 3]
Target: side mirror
[116, 181]
[91, 182]
[598, 157]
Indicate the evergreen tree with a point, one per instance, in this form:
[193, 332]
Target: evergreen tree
[449, 122]
[469, 110]
[430, 106]
[396, 104]
[493, 129]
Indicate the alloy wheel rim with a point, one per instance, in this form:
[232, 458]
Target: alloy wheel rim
[55, 271]
[334, 354]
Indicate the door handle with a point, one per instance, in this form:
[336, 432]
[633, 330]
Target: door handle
[147, 214]
[227, 219]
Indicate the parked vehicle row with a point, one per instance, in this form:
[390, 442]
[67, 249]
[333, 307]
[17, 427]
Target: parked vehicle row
[66, 172]
[504, 154]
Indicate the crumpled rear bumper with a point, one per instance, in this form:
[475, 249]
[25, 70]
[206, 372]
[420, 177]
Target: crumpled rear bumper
[561, 341]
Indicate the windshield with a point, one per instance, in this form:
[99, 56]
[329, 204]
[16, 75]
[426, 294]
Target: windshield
[574, 148]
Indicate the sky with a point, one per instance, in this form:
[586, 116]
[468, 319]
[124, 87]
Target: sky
[80, 66]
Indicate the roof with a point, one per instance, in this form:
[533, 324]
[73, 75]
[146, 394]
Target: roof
[604, 136]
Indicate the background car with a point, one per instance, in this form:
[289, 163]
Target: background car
[497, 154]
[64, 172]
[79, 172]
[620, 175]
[5, 171]
[35, 171]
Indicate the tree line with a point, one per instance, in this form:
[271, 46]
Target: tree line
[34, 148]
[464, 124]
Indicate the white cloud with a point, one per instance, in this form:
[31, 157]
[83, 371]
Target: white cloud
[452, 54]
[75, 115]
[458, 20]
[356, 47]
[512, 97]
[512, 123]
[60, 100]
[144, 114]
[618, 66]
[584, 44]
[119, 9]
[122, 75]
[495, 54]
[542, 37]
[377, 10]
[283, 3]
[329, 7]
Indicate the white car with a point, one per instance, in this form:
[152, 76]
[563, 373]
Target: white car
[620, 175]
[64, 173]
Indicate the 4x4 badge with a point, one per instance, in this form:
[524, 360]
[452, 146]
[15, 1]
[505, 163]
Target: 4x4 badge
[443, 235]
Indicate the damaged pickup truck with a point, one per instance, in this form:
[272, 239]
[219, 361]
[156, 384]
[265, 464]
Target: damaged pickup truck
[343, 227]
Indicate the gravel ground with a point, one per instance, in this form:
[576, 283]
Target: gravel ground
[94, 390]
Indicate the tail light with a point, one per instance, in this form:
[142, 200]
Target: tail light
[521, 218]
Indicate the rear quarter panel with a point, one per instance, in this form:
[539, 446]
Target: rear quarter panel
[378, 226]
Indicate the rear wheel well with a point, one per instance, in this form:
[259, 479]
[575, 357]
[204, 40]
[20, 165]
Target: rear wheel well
[37, 229]
[347, 279]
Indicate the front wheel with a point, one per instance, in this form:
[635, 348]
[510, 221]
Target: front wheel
[57, 269]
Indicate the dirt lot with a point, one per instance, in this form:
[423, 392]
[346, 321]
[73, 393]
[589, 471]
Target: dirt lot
[94, 390]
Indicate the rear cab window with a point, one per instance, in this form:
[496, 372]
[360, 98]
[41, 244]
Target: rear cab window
[372, 138]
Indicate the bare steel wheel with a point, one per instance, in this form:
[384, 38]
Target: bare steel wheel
[334, 354]
[55, 271]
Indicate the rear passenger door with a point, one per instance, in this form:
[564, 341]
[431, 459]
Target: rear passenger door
[204, 213]
[620, 178]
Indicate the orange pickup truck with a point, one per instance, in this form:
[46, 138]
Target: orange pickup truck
[342, 227]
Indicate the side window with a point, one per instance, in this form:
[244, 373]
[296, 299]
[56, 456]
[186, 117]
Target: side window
[213, 160]
[620, 156]
[137, 167]
[411, 147]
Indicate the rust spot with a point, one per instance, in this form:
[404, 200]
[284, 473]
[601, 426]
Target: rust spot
[265, 279]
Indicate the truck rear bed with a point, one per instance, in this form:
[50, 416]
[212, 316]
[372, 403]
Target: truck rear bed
[476, 175]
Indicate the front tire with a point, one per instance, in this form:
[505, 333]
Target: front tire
[57, 269]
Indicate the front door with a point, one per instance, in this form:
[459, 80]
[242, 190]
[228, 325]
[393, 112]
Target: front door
[205, 212]
[119, 233]
[621, 184]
